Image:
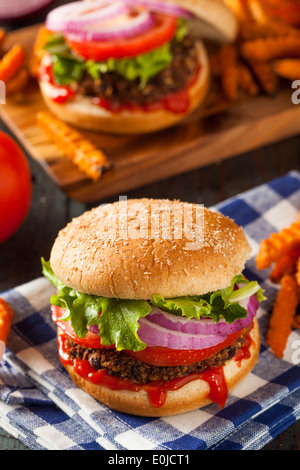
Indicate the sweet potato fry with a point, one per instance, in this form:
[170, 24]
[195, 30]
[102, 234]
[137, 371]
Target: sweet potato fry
[6, 318]
[238, 7]
[257, 11]
[18, 83]
[80, 151]
[246, 81]
[12, 62]
[286, 264]
[296, 322]
[264, 50]
[229, 71]
[250, 30]
[287, 11]
[2, 37]
[283, 315]
[298, 271]
[278, 244]
[266, 77]
[288, 68]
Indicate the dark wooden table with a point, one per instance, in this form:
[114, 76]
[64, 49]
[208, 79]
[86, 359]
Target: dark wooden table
[51, 209]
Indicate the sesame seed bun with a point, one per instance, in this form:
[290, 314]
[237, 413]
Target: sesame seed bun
[132, 249]
[214, 19]
[191, 396]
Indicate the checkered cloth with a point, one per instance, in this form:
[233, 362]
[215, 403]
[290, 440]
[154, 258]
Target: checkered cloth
[40, 405]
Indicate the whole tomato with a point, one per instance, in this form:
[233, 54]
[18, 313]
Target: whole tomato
[15, 186]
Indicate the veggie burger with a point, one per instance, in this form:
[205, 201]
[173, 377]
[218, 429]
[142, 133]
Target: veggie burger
[129, 66]
[151, 320]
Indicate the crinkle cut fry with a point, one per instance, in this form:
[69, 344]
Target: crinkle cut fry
[83, 153]
[283, 314]
[286, 264]
[272, 248]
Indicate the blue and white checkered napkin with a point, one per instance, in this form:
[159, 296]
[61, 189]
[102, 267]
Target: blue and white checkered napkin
[40, 405]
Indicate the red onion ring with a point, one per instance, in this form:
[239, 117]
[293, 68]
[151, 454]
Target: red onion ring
[204, 326]
[94, 329]
[156, 335]
[123, 26]
[73, 16]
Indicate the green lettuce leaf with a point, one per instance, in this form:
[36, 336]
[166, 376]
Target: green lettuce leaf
[118, 322]
[142, 67]
[216, 305]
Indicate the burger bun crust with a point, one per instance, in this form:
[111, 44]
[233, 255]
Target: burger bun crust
[91, 256]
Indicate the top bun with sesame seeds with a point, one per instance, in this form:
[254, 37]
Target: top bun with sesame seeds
[134, 248]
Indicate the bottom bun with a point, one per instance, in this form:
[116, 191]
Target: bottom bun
[191, 396]
[83, 114]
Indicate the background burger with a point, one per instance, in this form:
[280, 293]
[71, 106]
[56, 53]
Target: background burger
[147, 323]
[130, 66]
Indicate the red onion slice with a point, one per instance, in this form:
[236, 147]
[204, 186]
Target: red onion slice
[204, 326]
[127, 25]
[156, 335]
[94, 329]
[73, 16]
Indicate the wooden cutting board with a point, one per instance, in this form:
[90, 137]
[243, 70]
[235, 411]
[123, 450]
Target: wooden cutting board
[214, 132]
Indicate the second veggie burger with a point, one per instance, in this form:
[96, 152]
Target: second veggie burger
[129, 66]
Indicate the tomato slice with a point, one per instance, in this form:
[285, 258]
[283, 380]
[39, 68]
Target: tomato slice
[160, 356]
[91, 340]
[162, 32]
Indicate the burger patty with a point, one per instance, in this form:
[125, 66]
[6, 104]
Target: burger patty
[127, 368]
[116, 89]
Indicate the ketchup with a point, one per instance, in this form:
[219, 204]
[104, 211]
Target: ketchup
[244, 351]
[177, 103]
[58, 93]
[156, 390]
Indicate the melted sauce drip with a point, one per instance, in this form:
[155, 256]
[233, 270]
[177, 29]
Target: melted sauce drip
[157, 390]
[244, 351]
[177, 103]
